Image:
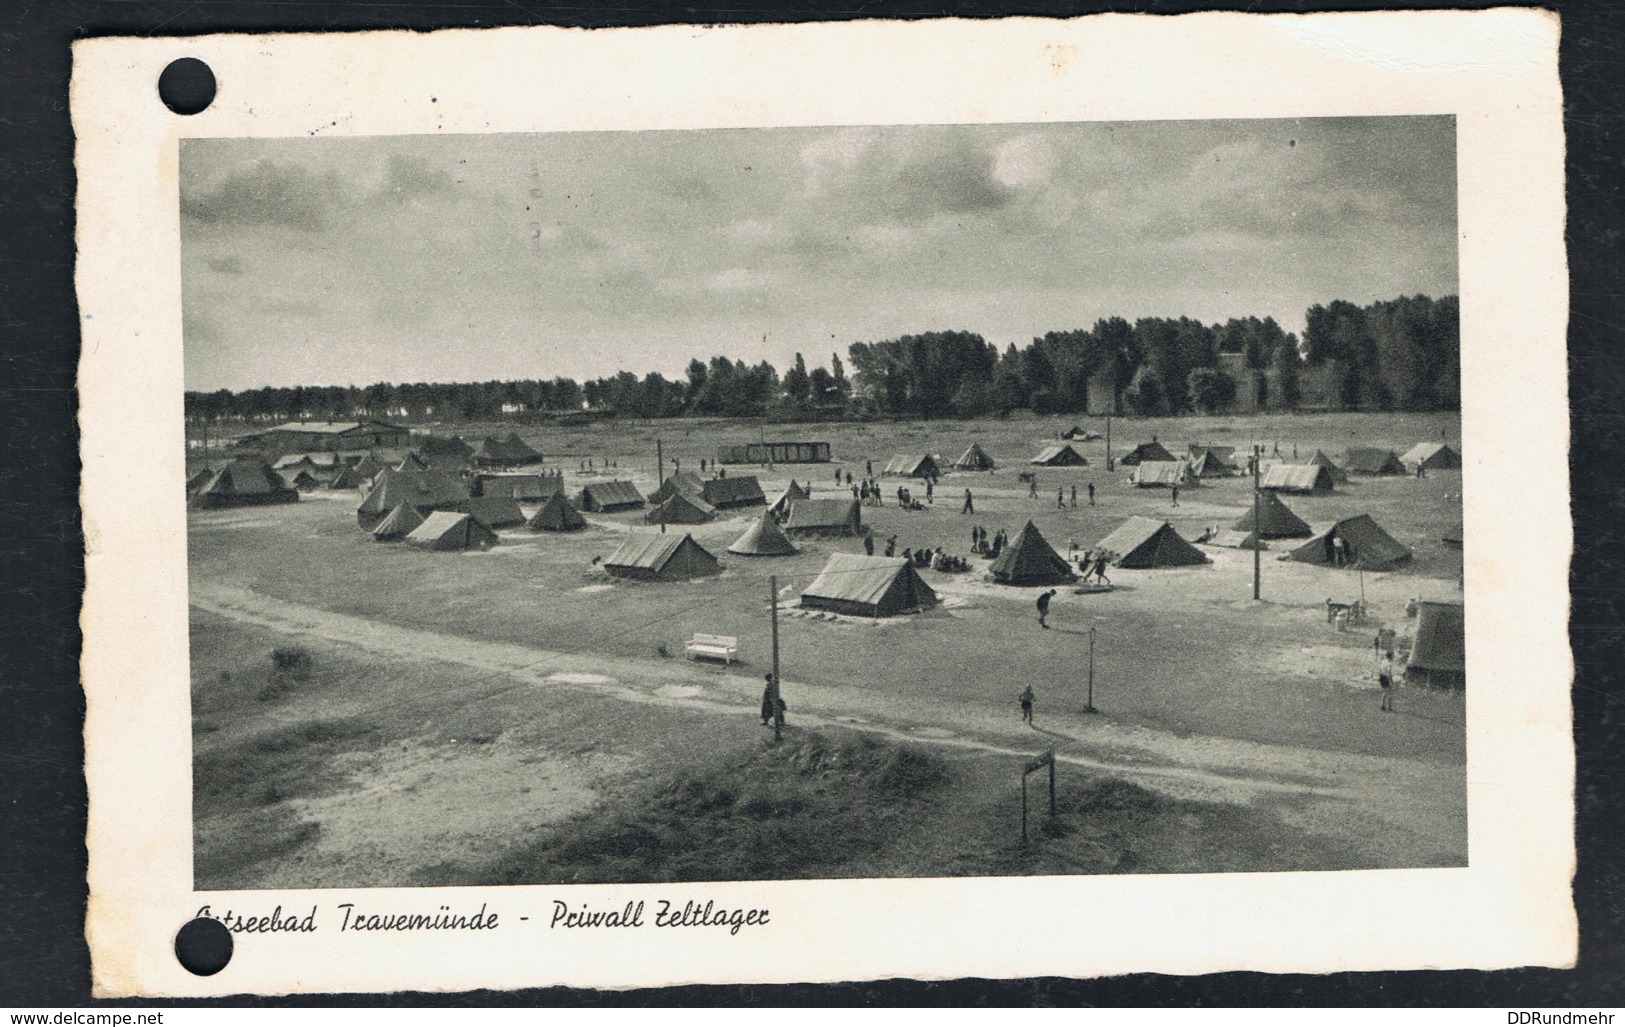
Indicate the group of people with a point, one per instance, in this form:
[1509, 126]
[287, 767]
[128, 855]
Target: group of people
[980, 545]
[588, 467]
[1092, 565]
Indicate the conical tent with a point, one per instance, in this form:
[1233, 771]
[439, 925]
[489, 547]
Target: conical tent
[519, 451]
[868, 586]
[401, 522]
[1365, 546]
[412, 462]
[1146, 451]
[445, 530]
[974, 459]
[1141, 543]
[764, 538]
[681, 508]
[1275, 519]
[557, 515]
[780, 507]
[347, 478]
[1030, 560]
[1431, 456]
[1059, 456]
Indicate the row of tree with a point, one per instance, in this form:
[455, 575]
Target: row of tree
[1395, 354]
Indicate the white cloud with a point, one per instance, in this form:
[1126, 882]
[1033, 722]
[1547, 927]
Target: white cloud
[1023, 160]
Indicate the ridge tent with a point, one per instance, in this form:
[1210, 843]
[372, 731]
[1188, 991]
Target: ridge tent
[198, 480]
[1059, 456]
[1162, 474]
[610, 496]
[1276, 519]
[780, 507]
[1320, 459]
[1369, 460]
[652, 556]
[1146, 451]
[556, 515]
[244, 482]
[1431, 456]
[1213, 461]
[368, 467]
[974, 459]
[447, 530]
[913, 465]
[425, 490]
[302, 481]
[1439, 649]
[681, 508]
[1141, 543]
[1030, 560]
[1368, 547]
[868, 586]
[1302, 479]
[1225, 454]
[453, 448]
[681, 481]
[519, 451]
[824, 517]
[493, 511]
[729, 493]
[401, 522]
[1235, 538]
[1077, 433]
[412, 462]
[763, 538]
[348, 478]
[524, 487]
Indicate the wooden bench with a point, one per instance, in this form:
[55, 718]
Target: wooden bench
[714, 647]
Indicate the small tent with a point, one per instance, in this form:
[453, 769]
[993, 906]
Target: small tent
[1152, 450]
[681, 508]
[1234, 538]
[301, 480]
[198, 480]
[763, 538]
[681, 481]
[610, 496]
[1439, 647]
[1320, 459]
[1162, 474]
[974, 459]
[400, 522]
[556, 515]
[868, 586]
[1076, 433]
[1300, 479]
[731, 493]
[913, 465]
[1431, 456]
[824, 517]
[1059, 456]
[453, 450]
[1368, 460]
[244, 482]
[1213, 461]
[412, 462]
[519, 451]
[654, 556]
[1365, 546]
[493, 511]
[780, 507]
[447, 530]
[1275, 519]
[1030, 560]
[1141, 543]
[348, 478]
[523, 487]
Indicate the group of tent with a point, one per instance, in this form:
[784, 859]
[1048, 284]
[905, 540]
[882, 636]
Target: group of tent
[1357, 542]
[686, 498]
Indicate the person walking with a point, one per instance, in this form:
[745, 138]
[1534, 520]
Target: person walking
[1032, 488]
[1074, 497]
[1176, 495]
[869, 468]
[1100, 569]
[1060, 498]
[1385, 681]
[1043, 606]
[849, 477]
[1026, 698]
[970, 506]
[930, 489]
[1091, 493]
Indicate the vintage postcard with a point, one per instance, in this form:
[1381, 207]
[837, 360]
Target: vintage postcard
[826, 502]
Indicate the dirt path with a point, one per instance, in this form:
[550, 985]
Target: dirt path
[1394, 811]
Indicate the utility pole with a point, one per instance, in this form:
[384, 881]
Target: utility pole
[1089, 703]
[1108, 441]
[773, 605]
[1258, 556]
[660, 476]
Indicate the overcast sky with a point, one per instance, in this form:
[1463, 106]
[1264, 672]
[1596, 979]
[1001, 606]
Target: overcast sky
[463, 258]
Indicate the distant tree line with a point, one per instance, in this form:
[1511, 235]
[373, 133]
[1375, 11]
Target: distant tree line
[1399, 354]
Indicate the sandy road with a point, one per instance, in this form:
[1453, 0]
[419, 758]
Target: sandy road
[1393, 811]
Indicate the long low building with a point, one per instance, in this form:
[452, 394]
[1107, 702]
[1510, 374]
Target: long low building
[775, 453]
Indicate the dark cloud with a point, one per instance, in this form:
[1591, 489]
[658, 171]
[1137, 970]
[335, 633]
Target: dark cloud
[227, 265]
[408, 178]
[266, 192]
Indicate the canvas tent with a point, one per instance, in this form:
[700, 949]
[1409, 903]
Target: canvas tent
[1030, 560]
[453, 450]
[1320, 459]
[1302, 479]
[412, 462]
[425, 490]
[1431, 456]
[824, 517]
[1366, 546]
[1152, 450]
[448, 530]
[913, 465]
[681, 508]
[868, 586]
[301, 480]
[731, 493]
[523, 487]
[610, 496]
[1162, 474]
[1275, 519]
[1059, 456]
[1439, 647]
[400, 522]
[198, 480]
[1141, 543]
[780, 507]
[1213, 461]
[1367, 460]
[556, 515]
[653, 556]
[509, 452]
[493, 511]
[1234, 538]
[763, 538]
[244, 482]
[348, 478]
[1077, 433]
[974, 459]
[681, 481]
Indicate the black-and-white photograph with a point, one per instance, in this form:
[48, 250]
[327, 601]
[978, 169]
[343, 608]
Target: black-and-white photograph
[843, 502]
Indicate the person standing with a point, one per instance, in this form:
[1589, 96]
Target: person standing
[1032, 488]
[930, 489]
[970, 506]
[1091, 493]
[1074, 497]
[1385, 681]
[1176, 495]
[837, 475]
[767, 700]
[1043, 607]
[1100, 569]
[869, 468]
[1060, 498]
[869, 544]
[1026, 698]
[891, 545]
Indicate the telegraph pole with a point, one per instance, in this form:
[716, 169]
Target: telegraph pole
[1258, 556]
[773, 605]
[1108, 441]
[1089, 704]
[660, 476]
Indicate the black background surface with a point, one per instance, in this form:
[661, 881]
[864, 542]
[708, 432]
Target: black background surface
[43, 957]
